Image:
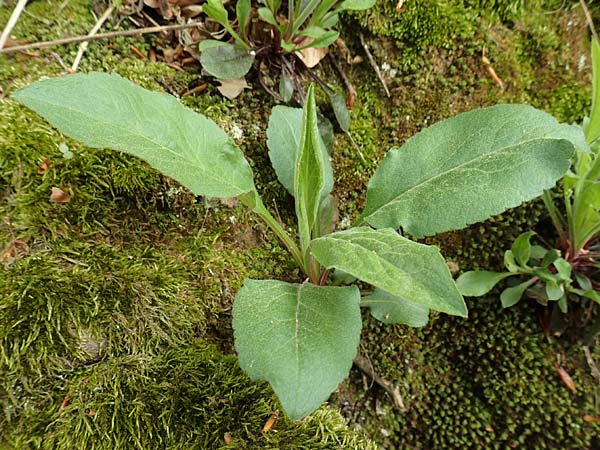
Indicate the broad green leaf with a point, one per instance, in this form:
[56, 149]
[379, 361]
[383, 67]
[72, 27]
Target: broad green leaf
[477, 283]
[308, 172]
[510, 263]
[511, 296]
[356, 4]
[383, 258]
[283, 139]
[554, 291]
[242, 11]
[562, 304]
[217, 12]
[550, 256]
[313, 32]
[266, 15]
[227, 62]
[301, 338]
[107, 111]
[388, 308]
[521, 248]
[468, 168]
[593, 128]
[538, 252]
[584, 282]
[563, 268]
[340, 110]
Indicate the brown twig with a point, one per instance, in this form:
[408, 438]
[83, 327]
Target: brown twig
[374, 64]
[112, 34]
[588, 18]
[351, 91]
[363, 364]
[591, 363]
[12, 21]
[84, 45]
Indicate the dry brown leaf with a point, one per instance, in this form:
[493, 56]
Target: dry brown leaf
[43, 167]
[230, 202]
[65, 402]
[232, 88]
[152, 3]
[591, 419]
[59, 196]
[312, 56]
[566, 378]
[271, 421]
[227, 438]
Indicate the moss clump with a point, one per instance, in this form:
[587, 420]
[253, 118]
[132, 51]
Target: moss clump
[184, 397]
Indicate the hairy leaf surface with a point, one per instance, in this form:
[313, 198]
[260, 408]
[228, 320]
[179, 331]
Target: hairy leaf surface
[388, 308]
[468, 168]
[283, 139]
[301, 338]
[308, 172]
[383, 258]
[107, 111]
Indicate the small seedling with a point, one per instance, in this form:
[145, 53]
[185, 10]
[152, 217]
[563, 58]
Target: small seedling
[303, 337]
[569, 271]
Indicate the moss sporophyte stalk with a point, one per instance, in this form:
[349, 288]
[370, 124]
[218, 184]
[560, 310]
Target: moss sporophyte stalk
[302, 338]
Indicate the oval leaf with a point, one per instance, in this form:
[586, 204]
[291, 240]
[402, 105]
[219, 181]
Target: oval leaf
[468, 168]
[301, 338]
[107, 111]
[228, 62]
[476, 283]
[383, 258]
[388, 308]
[521, 248]
[511, 296]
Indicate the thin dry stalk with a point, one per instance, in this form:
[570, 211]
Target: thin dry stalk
[14, 17]
[97, 37]
[84, 45]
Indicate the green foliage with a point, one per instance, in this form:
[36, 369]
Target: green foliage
[388, 261]
[383, 258]
[457, 161]
[570, 269]
[300, 337]
[388, 308]
[307, 24]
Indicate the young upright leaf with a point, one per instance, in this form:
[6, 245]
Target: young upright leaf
[477, 283]
[521, 248]
[383, 258]
[107, 111]
[388, 308]
[309, 172]
[301, 338]
[226, 61]
[468, 168]
[283, 139]
[593, 128]
[340, 110]
[242, 11]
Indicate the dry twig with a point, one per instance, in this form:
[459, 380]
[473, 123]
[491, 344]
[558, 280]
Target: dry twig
[363, 364]
[12, 21]
[588, 18]
[591, 363]
[112, 34]
[374, 64]
[84, 45]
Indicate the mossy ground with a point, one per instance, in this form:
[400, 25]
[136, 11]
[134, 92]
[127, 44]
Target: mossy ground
[115, 306]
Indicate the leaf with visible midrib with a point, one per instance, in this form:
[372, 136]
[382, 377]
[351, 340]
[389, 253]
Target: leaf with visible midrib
[465, 169]
[283, 138]
[301, 338]
[383, 258]
[308, 172]
[107, 111]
